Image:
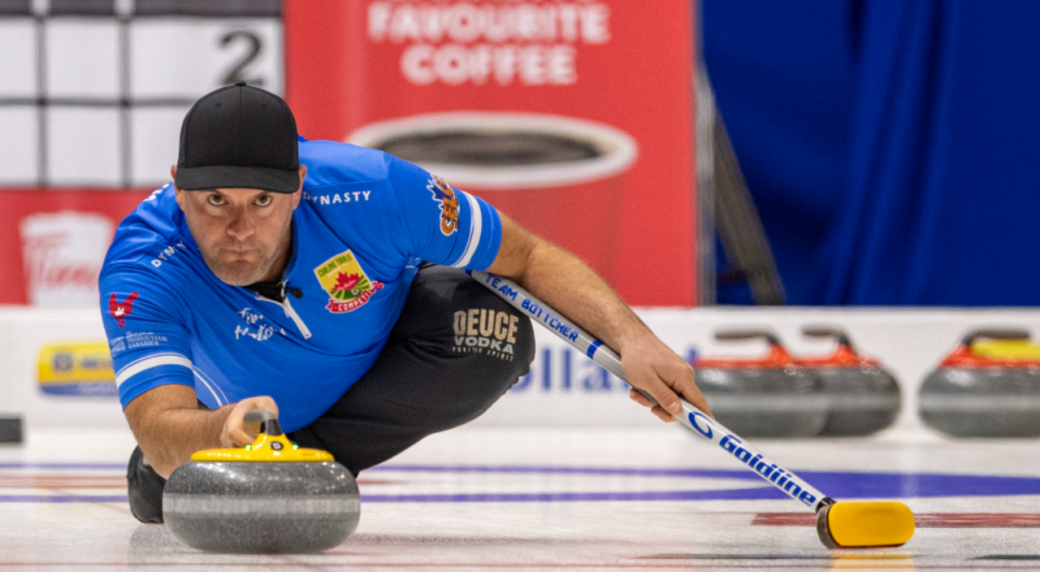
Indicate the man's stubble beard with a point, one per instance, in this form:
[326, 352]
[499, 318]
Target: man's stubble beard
[248, 275]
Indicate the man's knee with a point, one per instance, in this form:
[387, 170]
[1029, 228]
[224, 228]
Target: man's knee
[476, 337]
[145, 486]
[446, 306]
[144, 489]
[485, 325]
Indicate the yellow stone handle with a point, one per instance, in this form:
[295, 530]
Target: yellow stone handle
[1009, 350]
[275, 447]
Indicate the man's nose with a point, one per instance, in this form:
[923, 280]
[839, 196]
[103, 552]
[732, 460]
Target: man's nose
[240, 228]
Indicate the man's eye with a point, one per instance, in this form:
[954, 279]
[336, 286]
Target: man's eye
[264, 200]
[216, 200]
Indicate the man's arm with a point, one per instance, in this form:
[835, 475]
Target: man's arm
[571, 287]
[169, 426]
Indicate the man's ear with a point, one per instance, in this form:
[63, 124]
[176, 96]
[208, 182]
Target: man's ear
[178, 193]
[299, 192]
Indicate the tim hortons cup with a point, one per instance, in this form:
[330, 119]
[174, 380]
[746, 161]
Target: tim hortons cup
[559, 177]
[63, 253]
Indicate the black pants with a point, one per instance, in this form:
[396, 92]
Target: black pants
[455, 350]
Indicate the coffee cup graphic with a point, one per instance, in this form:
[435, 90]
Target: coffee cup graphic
[559, 177]
[63, 253]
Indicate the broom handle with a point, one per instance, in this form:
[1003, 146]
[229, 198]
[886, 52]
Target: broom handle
[692, 417]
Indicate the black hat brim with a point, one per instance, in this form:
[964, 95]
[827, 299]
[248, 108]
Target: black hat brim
[232, 177]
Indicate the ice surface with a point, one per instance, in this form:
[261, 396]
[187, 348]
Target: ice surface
[524, 499]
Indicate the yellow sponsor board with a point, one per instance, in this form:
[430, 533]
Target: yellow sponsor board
[78, 368]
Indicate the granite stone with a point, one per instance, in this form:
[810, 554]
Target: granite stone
[860, 400]
[982, 402]
[765, 402]
[261, 507]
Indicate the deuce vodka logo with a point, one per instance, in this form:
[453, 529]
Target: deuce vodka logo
[484, 331]
[63, 253]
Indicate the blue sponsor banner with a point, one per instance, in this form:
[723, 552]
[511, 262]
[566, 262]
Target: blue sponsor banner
[101, 388]
[562, 369]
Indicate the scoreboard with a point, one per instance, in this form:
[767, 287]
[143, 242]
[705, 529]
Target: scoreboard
[92, 92]
[92, 95]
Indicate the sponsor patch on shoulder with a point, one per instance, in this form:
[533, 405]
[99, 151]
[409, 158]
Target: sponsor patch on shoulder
[448, 201]
[346, 283]
[121, 310]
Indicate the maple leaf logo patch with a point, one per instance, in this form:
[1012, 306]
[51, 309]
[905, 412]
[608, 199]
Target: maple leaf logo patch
[346, 283]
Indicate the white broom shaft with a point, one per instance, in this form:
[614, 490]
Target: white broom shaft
[692, 417]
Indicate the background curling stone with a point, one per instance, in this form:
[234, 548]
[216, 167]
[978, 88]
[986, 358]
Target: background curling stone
[862, 397]
[269, 497]
[769, 396]
[989, 386]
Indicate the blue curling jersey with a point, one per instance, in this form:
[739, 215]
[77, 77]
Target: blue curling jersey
[365, 222]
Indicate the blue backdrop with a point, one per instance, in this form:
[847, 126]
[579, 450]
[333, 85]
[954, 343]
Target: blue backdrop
[891, 147]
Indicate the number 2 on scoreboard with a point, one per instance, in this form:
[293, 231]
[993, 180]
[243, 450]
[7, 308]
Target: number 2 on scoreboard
[237, 72]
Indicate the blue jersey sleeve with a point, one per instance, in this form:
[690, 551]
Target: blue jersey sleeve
[444, 225]
[149, 347]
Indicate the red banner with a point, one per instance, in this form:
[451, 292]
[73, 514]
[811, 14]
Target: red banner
[575, 118]
[53, 242]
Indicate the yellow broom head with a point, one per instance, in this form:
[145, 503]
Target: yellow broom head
[865, 524]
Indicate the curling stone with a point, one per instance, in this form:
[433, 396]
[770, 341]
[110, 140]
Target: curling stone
[862, 397]
[989, 386]
[767, 397]
[269, 497]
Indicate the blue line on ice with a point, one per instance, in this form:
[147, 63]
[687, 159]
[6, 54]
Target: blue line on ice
[839, 484]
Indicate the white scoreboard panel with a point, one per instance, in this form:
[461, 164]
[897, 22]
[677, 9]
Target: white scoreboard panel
[92, 92]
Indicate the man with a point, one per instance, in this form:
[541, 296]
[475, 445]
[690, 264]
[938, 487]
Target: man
[290, 275]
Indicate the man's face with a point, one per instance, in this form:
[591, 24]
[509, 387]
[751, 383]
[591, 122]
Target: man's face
[243, 234]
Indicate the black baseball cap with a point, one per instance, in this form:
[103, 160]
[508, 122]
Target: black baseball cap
[239, 137]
